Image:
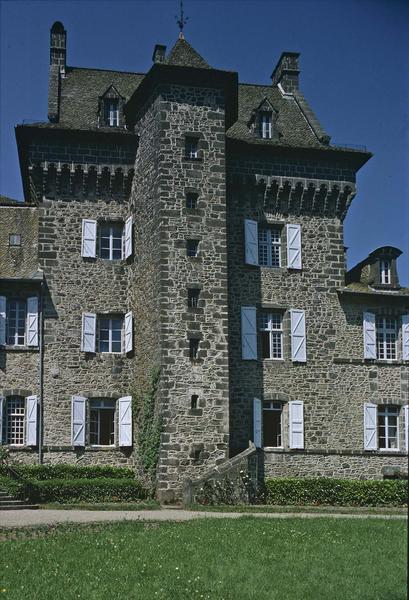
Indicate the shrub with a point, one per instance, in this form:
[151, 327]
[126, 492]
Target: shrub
[341, 492]
[47, 472]
[86, 490]
[18, 489]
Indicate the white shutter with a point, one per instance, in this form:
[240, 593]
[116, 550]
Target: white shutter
[257, 422]
[248, 333]
[1, 418]
[32, 321]
[251, 242]
[89, 238]
[128, 331]
[370, 438]
[128, 237]
[369, 329]
[78, 420]
[296, 423]
[405, 337]
[294, 246]
[125, 421]
[89, 326]
[298, 339]
[406, 426]
[2, 320]
[31, 420]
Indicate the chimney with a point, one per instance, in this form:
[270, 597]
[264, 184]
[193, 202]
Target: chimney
[286, 72]
[58, 62]
[159, 54]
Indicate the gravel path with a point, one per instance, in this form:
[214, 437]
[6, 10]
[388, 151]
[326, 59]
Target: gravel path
[22, 518]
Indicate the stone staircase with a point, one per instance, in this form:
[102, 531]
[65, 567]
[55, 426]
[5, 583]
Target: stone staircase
[8, 502]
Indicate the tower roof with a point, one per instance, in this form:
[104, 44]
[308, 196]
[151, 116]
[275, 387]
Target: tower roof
[183, 55]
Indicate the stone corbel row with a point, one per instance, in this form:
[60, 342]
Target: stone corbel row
[58, 179]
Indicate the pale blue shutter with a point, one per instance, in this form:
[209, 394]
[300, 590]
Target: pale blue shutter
[405, 337]
[32, 321]
[370, 437]
[298, 338]
[128, 332]
[2, 320]
[369, 329]
[88, 338]
[406, 426]
[31, 420]
[251, 242]
[249, 333]
[2, 402]
[296, 424]
[125, 421]
[78, 420]
[128, 237]
[294, 247]
[257, 423]
[89, 238]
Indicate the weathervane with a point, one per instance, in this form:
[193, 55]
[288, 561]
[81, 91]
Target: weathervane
[181, 21]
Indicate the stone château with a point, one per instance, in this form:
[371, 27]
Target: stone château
[181, 221]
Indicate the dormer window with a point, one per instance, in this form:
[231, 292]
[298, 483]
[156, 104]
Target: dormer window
[111, 112]
[110, 108]
[266, 125]
[385, 271]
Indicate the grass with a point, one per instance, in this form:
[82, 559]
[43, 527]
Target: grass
[269, 508]
[143, 505]
[210, 559]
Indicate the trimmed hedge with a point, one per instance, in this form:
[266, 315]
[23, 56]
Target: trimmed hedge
[86, 490]
[18, 489]
[336, 492]
[47, 472]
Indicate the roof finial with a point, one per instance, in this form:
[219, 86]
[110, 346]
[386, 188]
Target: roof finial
[181, 21]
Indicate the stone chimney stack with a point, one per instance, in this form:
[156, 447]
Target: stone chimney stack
[286, 72]
[58, 63]
[159, 54]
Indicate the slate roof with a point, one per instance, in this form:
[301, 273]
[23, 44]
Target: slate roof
[183, 55]
[6, 201]
[356, 287]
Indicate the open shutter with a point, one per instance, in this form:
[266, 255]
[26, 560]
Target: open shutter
[89, 238]
[251, 242]
[78, 420]
[31, 420]
[125, 421]
[128, 237]
[257, 422]
[370, 441]
[298, 340]
[406, 426]
[248, 333]
[405, 337]
[2, 320]
[32, 321]
[89, 326]
[128, 331]
[294, 246]
[296, 423]
[2, 400]
[369, 329]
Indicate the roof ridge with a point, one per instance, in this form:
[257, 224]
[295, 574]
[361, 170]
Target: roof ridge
[104, 70]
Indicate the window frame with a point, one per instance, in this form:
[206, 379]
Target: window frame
[385, 271]
[193, 297]
[274, 333]
[110, 318]
[383, 344]
[111, 225]
[274, 407]
[266, 125]
[192, 147]
[93, 408]
[388, 411]
[19, 431]
[13, 238]
[191, 200]
[189, 248]
[270, 247]
[18, 301]
[194, 349]
[111, 112]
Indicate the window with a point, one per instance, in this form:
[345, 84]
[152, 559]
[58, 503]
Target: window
[193, 348]
[192, 148]
[14, 239]
[15, 412]
[110, 334]
[102, 422]
[111, 112]
[192, 248]
[271, 335]
[193, 297]
[272, 424]
[265, 125]
[16, 322]
[269, 247]
[191, 200]
[385, 271]
[386, 338]
[388, 428]
[194, 401]
[111, 241]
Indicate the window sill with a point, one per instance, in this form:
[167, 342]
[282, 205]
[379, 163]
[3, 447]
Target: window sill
[20, 348]
[389, 450]
[369, 361]
[278, 449]
[193, 160]
[22, 448]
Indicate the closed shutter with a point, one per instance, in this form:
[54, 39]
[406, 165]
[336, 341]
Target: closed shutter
[2, 401]
[2, 320]
[89, 326]
[405, 337]
[31, 420]
[251, 242]
[296, 423]
[257, 422]
[248, 333]
[294, 246]
[125, 421]
[89, 238]
[406, 426]
[370, 438]
[369, 329]
[78, 420]
[128, 332]
[128, 237]
[298, 339]
[32, 321]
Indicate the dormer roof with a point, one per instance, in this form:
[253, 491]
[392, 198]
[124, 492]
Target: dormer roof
[184, 55]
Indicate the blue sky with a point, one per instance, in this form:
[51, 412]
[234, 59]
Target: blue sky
[354, 57]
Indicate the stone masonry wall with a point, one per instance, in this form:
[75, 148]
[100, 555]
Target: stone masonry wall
[18, 261]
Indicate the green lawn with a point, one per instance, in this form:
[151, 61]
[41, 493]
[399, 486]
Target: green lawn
[215, 559]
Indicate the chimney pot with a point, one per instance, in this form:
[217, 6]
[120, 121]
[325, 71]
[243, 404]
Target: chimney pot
[286, 72]
[159, 53]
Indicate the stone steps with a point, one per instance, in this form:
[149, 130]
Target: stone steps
[8, 502]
